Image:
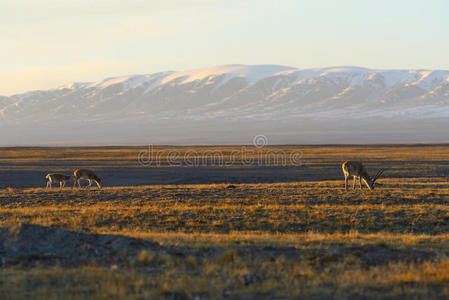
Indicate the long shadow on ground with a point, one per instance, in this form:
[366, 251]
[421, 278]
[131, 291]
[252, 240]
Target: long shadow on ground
[25, 244]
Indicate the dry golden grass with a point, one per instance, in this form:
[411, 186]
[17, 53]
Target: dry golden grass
[399, 206]
[279, 278]
[302, 239]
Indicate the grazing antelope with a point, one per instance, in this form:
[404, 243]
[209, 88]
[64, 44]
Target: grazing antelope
[357, 170]
[86, 175]
[55, 177]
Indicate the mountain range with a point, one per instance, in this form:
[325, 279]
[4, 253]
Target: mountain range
[232, 103]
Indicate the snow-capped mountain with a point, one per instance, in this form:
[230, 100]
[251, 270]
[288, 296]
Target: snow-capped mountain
[230, 94]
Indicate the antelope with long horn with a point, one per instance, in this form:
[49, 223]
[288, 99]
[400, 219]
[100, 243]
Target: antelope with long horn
[357, 170]
[86, 175]
[56, 177]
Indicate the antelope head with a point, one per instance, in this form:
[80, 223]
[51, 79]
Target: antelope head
[373, 180]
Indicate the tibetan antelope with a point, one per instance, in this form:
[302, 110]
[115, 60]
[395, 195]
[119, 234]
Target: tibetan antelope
[86, 175]
[55, 177]
[357, 170]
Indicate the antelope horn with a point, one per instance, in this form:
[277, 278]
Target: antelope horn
[378, 174]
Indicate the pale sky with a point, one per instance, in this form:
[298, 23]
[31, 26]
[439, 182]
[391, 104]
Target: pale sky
[48, 43]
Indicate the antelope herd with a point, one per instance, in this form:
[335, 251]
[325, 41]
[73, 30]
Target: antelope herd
[79, 174]
[350, 168]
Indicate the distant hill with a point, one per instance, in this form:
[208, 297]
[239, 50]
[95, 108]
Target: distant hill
[231, 103]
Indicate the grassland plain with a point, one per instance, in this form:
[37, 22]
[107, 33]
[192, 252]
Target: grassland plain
[278, 232]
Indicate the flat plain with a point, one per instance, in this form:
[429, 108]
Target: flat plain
[225, 222]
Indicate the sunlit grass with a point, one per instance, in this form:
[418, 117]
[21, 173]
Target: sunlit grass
[152, 276]
[303, 239]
